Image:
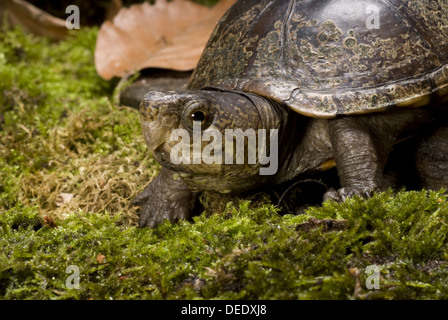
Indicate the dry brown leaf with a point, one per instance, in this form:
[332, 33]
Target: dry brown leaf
[169, 35]
[49, 221]
[100, 258]
[32, 19]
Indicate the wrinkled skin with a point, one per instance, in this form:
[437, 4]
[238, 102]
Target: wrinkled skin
[360, 146]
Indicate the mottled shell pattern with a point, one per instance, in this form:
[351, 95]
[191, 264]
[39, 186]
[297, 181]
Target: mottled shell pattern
[324, 58]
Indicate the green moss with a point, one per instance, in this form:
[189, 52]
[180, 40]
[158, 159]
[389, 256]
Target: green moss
[247, 254]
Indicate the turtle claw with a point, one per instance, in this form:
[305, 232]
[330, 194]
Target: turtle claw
[154, 212]
[164, 198]
[342, 194]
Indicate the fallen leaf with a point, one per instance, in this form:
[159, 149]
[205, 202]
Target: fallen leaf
[49, 221]
[32, 19]
[101, 258]
[169, 35]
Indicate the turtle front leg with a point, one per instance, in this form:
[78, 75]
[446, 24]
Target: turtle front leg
[167, 197]
[361, 151]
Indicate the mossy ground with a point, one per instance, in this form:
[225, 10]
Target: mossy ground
[62, 135]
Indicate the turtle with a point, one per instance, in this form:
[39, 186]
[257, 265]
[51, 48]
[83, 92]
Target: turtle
[318, 84]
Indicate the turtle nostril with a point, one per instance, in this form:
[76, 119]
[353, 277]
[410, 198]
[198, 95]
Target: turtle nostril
[198, 116]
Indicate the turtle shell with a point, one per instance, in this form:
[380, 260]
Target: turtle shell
[334, 57]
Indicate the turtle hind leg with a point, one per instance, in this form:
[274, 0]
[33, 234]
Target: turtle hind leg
[431, 159]
[421, 162]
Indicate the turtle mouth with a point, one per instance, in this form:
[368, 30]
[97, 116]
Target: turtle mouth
[162, 155]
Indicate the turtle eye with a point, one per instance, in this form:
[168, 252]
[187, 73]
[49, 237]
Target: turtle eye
[198, 116]
[197, 112]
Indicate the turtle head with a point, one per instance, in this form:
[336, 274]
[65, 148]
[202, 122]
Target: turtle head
[212, 138]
